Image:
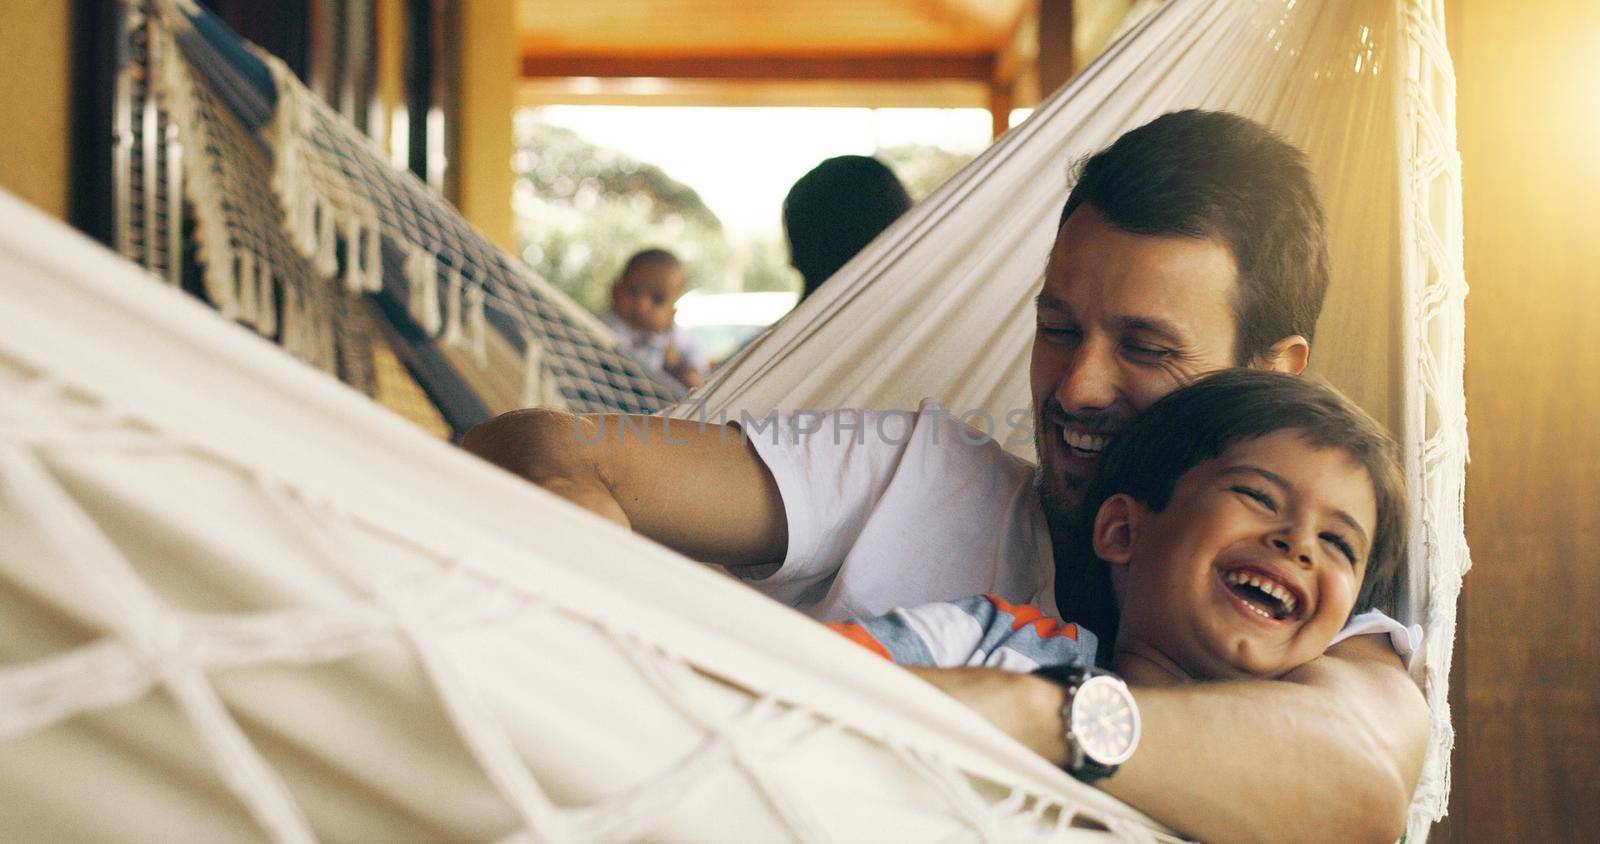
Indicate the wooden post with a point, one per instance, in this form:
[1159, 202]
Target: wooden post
[1057, 63]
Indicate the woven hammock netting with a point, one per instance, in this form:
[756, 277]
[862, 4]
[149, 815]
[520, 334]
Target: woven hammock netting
[239, 600]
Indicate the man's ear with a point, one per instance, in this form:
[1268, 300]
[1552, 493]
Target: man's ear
[1116, 528]
[1291, 354]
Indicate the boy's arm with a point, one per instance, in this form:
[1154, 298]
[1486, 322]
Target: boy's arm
[1331, 752]
[698, 488]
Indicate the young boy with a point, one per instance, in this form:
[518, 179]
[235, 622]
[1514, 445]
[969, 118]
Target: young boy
[1242, 518]
[643, 306]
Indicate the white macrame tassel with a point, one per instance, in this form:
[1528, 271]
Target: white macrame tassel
[354, 274]
[222, 274]
[266, 311]
[294, 322]
[327, 240]
[538, 388]
[373, 265]
[477, 325]
[245, 291]
[422, 273]
[452, 309]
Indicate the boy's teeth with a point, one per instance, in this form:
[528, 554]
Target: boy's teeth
[1083, 442]
[1284, 597]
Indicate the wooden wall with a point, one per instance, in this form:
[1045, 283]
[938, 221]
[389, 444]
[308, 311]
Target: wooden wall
[35, 38]
[1528, 679]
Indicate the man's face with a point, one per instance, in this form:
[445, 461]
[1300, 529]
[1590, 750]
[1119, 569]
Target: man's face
[1123, 319]
[1254, 564]
[646, 298]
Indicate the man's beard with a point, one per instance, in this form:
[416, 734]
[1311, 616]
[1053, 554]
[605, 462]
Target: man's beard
[1058, 513]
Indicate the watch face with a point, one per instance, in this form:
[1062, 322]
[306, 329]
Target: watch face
[1105, 721]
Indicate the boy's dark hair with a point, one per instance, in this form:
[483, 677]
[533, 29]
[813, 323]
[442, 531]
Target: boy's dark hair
[655, 255]
[835, 210]
[1202, 420]
[1217, 175]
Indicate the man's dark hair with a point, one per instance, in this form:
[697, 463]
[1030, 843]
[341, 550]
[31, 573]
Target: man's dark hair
[835, 210]
[1199, 422]
[1217, 175]
[654, 256]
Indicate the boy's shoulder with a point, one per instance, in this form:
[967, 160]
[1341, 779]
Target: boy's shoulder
[980, 630]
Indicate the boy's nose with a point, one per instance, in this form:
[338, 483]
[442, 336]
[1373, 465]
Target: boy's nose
[1301, 555]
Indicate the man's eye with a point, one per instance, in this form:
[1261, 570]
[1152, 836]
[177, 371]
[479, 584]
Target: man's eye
[1338, 542]
[1148, 352]
[1257, 496]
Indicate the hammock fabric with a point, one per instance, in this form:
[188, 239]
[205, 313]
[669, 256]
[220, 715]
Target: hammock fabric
[288, 197]
[237, 598]
[940, 305]
[241, 593]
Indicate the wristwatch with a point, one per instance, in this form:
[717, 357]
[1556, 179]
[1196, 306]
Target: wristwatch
[1100, 720]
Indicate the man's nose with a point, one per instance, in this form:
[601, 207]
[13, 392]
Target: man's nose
[1089, 381]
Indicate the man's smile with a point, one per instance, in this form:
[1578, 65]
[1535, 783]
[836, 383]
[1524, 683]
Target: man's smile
[1084, 444]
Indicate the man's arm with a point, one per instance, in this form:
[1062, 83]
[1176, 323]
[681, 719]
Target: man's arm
[1331, 752]
[700, 489]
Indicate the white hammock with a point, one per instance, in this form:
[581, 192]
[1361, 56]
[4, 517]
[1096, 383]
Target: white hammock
[235, 597]
[941, 304]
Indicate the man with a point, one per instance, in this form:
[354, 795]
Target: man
[1192, 244]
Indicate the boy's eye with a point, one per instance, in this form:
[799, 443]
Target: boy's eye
[1257, 496]
[1338, 542]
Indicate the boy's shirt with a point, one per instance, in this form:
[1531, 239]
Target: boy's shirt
[650, 347]
[981, 630]
[989, 631]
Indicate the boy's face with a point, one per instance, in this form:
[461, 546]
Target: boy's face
[646, 296]
[1254, 564]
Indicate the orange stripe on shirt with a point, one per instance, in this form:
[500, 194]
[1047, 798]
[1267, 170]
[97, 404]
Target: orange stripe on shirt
[858, 634]
[1027, 614]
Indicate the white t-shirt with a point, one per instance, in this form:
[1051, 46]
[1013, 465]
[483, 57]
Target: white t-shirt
[898, 509]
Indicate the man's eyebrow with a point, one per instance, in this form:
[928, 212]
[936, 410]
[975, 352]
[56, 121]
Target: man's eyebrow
[1044, 301]
[1283, 483]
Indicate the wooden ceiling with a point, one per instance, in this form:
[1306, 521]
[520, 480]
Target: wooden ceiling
[890, 40]
[707, 28]
[863, 53]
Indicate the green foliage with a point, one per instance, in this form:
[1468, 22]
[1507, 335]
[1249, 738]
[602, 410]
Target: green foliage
[922, 167]
[583, 210]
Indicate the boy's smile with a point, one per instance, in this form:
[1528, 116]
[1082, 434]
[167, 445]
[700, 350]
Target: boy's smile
[1254, 564]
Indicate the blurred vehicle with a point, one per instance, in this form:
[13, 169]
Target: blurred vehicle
[723, 322]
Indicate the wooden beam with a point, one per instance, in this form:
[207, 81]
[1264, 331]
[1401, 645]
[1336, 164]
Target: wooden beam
[907, 66]
[832, 93]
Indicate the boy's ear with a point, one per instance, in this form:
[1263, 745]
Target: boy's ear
[1116, 528]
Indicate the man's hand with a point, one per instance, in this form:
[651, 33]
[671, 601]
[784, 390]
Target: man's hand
[541, 445]
[1331, 752]
[698, 488]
